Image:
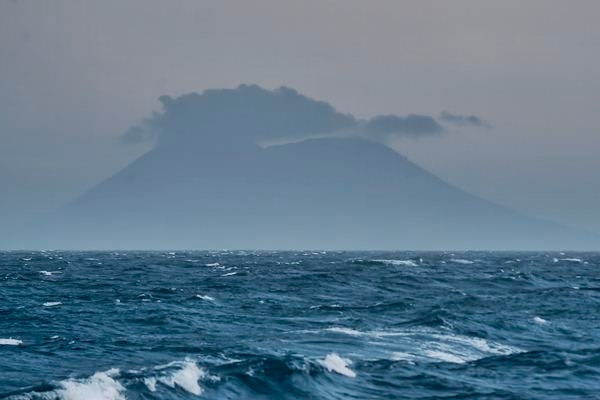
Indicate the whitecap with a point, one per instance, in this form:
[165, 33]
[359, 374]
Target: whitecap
[150, 383]
[346, 331]
[402, 356]
[10, 342]
[230, 274]
[481, 346]
[405, 263]
[186, 377]
[100, 386]
[105, 386]
[430, 345]
[47, 273]
[458, 349]
[461, 261]
[334, 363]
[445, 356]
[376, 334]
[573, 260]
[205, 297]
[52, 303]
[215, 264]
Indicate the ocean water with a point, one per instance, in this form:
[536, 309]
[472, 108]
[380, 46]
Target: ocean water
[299, 325]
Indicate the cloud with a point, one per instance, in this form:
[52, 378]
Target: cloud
[139, 134]
[248, 113]
[252, 114]
[464, 120]
[413, 125]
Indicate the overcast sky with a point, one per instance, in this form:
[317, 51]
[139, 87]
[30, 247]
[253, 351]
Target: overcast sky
[74, 75]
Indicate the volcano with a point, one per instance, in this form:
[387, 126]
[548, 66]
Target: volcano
[207, 184]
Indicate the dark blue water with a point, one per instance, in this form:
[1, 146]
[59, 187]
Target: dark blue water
[299, 325]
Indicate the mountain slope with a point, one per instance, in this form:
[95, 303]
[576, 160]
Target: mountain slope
[206, 184]
[319, 193]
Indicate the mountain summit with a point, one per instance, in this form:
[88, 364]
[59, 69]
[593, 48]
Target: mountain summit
[208, 184]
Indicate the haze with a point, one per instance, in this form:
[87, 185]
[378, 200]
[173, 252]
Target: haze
[76, 75]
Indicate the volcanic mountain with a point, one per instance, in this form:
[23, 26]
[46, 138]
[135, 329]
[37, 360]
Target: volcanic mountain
[208, 184]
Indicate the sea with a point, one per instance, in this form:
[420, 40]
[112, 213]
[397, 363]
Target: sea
[299, 325]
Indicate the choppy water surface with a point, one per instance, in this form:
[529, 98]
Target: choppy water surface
[299, 325]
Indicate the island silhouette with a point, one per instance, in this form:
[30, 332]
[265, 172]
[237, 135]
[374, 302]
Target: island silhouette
[254, 168]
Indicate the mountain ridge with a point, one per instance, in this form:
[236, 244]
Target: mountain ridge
[345, 193]
[335, 184]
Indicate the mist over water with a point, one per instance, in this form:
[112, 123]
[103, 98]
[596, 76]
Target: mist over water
[302, 324]
[336, 184]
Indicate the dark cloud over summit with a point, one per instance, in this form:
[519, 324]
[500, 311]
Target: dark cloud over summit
[252, 114]
[463, 120]
[247, 113]
[413, 125]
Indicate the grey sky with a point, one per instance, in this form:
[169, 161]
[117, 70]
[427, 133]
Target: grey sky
[74, 75]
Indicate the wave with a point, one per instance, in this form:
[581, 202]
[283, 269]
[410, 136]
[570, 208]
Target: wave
[401, 262]
[406, 263]
[428, 345]
[185, 377]
[113, 385]
[205, 297]
[334, 363]
[285, 332]
[100, 386]
[10, 342]
[248, 378]
[461, 261]
[346, 331]
[577, 260]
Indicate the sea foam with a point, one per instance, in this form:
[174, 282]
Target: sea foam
[346, 331]
[405, 263]
[573, 260]
[461, 261]
[10, 342]
[334, 363]
[100, 386]
[186, 377]
[430, 345]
